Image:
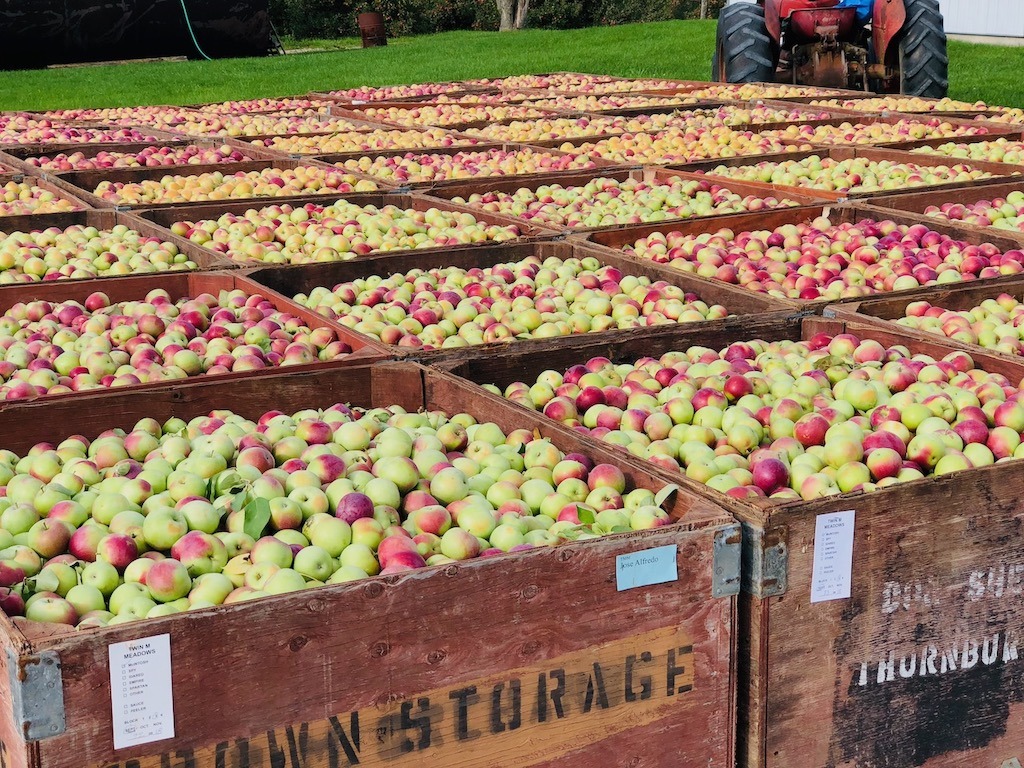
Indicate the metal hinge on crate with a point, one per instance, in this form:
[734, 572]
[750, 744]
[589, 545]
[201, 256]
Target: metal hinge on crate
[37, 694]
[727, 557]
[765, 561]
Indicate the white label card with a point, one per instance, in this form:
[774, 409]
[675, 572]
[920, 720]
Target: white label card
[642, 569]
[832, 572]
[140, 691]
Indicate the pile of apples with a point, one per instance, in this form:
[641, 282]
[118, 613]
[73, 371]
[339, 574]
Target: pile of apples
[750, 91]
[19, 198]
[365, 141]
[220, 510]
[609, 102]
[994, 324]
[290, 105]
[283, 234]
[754, 114]
[606, 202]
[81, 252]
[821, 260]
[393, 92]
[856, 174]
[444, 115]
[681, 145]
[210, 124]
[791, 420]
[1000, 150]
[413, 168]
[553, 128]
[904, 129]
[529, 299]
[999, 212]
[115, 115]
[547, 129]
[149, 157]
[903, 104]
[51, 348]
[215, 185]
[24, 131]
[1014, 115]
[564, 81]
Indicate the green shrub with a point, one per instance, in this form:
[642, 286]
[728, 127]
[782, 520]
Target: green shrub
[331, 18]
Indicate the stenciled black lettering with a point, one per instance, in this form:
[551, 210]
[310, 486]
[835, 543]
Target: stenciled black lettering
[350, 746]
[498, 725]
[596, 690]
[278, 757]
[420, 724]
[558, 675]
[297, 744]
[672, 670]
[464, 698]
[186, 757]
[646, 683]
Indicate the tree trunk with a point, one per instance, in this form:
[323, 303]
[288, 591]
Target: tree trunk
[513, 14]
[505, 8]
[523, 7]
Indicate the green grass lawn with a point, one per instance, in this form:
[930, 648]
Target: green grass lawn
[675, 49]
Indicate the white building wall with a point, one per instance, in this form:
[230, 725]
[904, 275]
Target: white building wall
[1002, 18]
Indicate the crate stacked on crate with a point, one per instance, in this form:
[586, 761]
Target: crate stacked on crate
[650, 327]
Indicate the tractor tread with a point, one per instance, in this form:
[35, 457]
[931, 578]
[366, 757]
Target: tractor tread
[743, 46]
[924, 60]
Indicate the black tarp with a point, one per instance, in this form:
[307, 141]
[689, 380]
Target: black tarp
[35, 33]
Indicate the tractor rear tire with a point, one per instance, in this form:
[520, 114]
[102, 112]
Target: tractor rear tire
[924, 63]
[744, 51]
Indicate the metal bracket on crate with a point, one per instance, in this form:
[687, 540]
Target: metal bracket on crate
[727, 557]
[1013, 762]
[37, 694]
[765, 561]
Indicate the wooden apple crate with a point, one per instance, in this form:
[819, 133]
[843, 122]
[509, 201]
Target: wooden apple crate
[991, 130]
[457, 88]
[467, 143]
[84, 183]
[915, 202]
[36, 180]
[165, 217]
[527, 660]
[105, 219]
[21, 155]
[707, 168]
[339, 159]
[289, 281]
[602, 242]
[359, 112]
[684, 103]
[52, 147]
[885, 309]
[920, 666]
[182, 285]
[450, 189]
[910, 146]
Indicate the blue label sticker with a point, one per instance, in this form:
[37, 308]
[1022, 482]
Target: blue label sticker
[642, 569]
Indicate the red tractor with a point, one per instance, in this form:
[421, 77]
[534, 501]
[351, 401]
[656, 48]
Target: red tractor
[886, 46]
